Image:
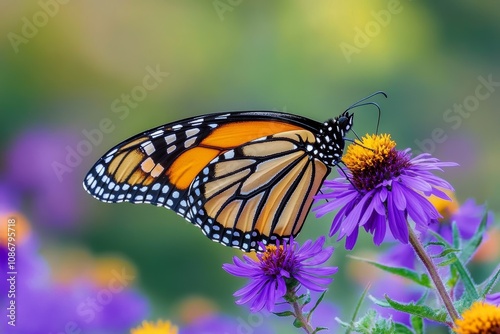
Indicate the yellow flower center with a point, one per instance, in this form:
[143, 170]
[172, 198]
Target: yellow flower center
[369, 152]
[481, 318]
[374, 160]
[160, 327]
[271, 250]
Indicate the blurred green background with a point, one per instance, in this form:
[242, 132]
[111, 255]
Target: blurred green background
[62, 74]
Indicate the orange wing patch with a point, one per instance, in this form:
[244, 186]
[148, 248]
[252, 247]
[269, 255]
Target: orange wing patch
[225, 137]
[234, 134]
[185, 168]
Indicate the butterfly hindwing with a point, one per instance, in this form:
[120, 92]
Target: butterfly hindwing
[258, 192]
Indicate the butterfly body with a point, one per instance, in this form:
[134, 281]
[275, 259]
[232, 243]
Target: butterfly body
[242, 177]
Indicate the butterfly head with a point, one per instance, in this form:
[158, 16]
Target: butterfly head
[330, 139]
[344, 122]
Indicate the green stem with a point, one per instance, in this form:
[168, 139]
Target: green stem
[431, 268]
[300, 317]
[292, 299]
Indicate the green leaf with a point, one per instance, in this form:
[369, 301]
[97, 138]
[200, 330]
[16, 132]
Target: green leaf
[316, 305]
[453, 280]
[422, 299]
[466, 278]
[365, 323]
[421, 279]
[373, 323]
[358, 306]
[471, 246]
[463, 273]
[490, 282]
[448, 262]
[441, 241]
[284, 313]
[436, 243]
[317, 329]
[417, 323]
[343, 323]
[446, 252]
[297, 323]
[305, 298]
[423, 311]
[455, 235]
[401, 329]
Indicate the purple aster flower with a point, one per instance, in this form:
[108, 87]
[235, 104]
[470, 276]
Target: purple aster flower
[384, 186]
[493, 299]
[280, 269]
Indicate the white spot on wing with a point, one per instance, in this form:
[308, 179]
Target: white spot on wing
[192, 132]
[189, 142]
[157, 133]
[170, 139]
[170, 149]
[99, 169]
[148, 147]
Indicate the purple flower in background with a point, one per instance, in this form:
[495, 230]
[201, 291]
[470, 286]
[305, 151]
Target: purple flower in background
[48, 307]
[47, 304]
[222, 324]
[280, 268]
[384, 187]
[324, 316]
[395, 287]
[400, 255]
[38, 164]
[9, 198]
[493, 299]
[467, 217]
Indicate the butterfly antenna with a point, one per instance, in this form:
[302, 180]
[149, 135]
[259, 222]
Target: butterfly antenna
[357, 104]
[352, 130]
[362, 103]
[356, 143]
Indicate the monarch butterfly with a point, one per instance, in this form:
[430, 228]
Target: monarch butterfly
[243, 177]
